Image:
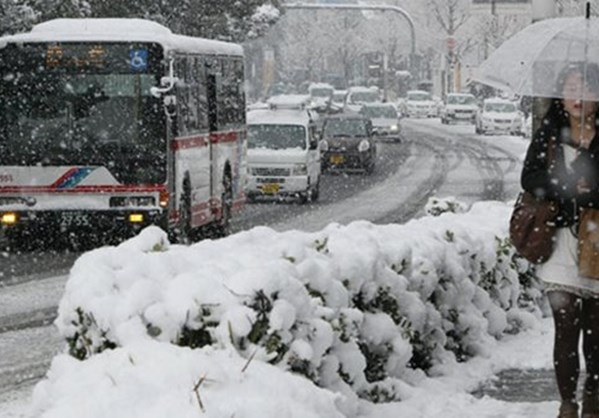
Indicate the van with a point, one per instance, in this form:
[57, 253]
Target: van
[459, 107]
[283, 151]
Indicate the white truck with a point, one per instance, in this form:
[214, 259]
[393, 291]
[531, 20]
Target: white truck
[283, 151]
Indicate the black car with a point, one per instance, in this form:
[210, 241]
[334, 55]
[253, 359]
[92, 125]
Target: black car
[347, 143]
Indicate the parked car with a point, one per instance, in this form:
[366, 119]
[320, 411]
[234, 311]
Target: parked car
[384, 118]
[358, 96]
[499, 116]
[459, 107]
[347, 143]
[283, 153]
[420, 104]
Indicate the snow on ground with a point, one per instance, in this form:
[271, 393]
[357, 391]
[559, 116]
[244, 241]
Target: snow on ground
[147, 376]
[151, 378]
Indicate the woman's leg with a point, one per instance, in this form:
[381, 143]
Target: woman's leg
[566, 309]
[590, 343]
[590, 349]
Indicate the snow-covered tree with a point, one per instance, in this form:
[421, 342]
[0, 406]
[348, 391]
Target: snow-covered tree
[15, 16]
[230, 20]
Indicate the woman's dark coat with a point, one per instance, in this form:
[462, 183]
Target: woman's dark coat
[555, 182]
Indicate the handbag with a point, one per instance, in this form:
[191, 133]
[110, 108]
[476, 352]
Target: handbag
[532, 227]
[588, 243]
[532, 224]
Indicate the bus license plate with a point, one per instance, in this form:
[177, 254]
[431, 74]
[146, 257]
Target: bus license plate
[337, 159]
[69, 220]
[270, 188]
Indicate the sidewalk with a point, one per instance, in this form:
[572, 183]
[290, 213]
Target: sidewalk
[515, 385]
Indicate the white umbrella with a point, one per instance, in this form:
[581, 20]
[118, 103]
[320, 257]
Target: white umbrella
[529, 62]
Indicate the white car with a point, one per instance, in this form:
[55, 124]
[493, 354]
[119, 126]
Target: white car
[339, 98]
[459, 107]
[321, 95]
[358, 96]
[384, 118]
[420, 104]
[283, 152]
[499, 116]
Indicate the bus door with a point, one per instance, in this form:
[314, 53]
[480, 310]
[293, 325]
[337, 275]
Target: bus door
[170, 110]
[212, 80]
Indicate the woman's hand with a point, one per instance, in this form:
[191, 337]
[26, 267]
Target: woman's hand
[582, 186]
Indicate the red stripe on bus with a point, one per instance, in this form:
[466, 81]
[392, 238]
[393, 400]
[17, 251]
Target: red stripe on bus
[190, 142]
[202, 140]
[84, 189]
[224, 137]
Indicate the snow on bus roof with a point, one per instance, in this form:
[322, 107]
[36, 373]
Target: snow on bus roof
[120, 30]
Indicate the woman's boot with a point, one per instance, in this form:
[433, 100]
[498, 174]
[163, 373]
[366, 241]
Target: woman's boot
[568, 410]
[590, 404]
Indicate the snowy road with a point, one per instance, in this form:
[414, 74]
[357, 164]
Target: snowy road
[434, 160]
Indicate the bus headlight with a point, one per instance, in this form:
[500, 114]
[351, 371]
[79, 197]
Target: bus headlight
[300, 169]
[136, 218]
[8, 218]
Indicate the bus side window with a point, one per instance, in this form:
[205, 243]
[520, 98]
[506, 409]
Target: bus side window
[213, 79]
[199, 94]
[183, 111]
[240, 93]
[231, 99]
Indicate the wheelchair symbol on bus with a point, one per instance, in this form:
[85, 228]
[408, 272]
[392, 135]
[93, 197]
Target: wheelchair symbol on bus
[138, 59]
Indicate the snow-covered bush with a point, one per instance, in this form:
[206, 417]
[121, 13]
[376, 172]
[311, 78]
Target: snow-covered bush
[435, 206]
[353, 308]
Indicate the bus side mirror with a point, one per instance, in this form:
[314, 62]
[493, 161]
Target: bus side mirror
[166, 83]
[170, 105]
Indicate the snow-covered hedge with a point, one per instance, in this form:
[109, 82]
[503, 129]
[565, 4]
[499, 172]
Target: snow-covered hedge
[353, 308]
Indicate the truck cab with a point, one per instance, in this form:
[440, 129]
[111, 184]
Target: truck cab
[283, 151]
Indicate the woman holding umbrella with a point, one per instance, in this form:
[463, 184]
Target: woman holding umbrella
[562, 165]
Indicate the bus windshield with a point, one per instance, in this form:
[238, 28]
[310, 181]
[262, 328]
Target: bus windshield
[83, 104]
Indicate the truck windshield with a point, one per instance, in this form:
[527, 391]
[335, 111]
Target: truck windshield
[373, 112]
[461, 100]
[80, 104]
[277, 137]
[500, 107]
[345, 127]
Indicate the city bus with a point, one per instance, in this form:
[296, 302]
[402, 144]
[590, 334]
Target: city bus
[110, 125]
